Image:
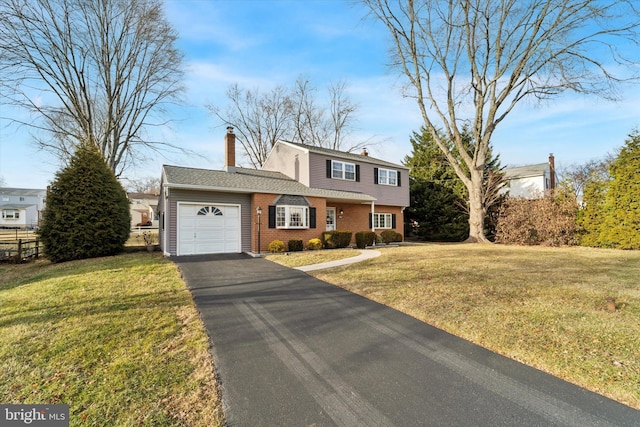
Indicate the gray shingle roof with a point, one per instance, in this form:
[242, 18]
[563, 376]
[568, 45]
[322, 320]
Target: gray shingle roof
[249, 181]
[526, 171]
[344, 155]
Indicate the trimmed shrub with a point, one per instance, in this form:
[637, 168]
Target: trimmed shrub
[547, 221]
[314, 244]
[276, 246]
[390, 236]
[87, 213]
[295, 245]
[336, 239]
[364, 239]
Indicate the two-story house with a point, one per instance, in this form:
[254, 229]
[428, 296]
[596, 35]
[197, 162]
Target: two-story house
[300, 192]
[531, 181]
[143, 208]
[21, 207]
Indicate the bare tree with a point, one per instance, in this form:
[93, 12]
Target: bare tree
[294, 114]
[472, 61]
[99, 71]
[320, 126]
[259, 119]
[576, 177]
[148, 185]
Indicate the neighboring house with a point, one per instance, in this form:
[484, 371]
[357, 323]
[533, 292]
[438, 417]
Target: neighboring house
[300, 192]
[144, 208]
[21, 207]
[532, 181]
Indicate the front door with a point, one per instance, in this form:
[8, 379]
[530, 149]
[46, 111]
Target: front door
[331, 219]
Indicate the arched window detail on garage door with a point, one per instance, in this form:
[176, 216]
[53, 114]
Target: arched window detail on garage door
[210, 210]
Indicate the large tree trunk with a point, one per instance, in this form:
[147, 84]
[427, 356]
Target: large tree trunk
[477, 210]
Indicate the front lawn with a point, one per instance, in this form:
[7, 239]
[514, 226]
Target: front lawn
[116, 338]
[545, 307]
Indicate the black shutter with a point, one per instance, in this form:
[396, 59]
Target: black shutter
[370, 220]
[399, 183]
[312, 217]
[328, 168]
[375, 175]
[393, 220]
[272, 217]
[357, 173]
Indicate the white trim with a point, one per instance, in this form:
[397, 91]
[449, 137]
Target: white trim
[332, 209]
[178, 204]
[373, 210]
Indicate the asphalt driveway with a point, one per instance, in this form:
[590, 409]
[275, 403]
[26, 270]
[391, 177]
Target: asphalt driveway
[292, 350]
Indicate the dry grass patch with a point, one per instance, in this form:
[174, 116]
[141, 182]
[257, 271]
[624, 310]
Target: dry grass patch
[298, 259]
[116, 338]
[545, 307]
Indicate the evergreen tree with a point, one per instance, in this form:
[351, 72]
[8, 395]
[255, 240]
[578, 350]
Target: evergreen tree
[437, 194]
[611, 217]
[439, 199]
[87, 212]
[590, 217]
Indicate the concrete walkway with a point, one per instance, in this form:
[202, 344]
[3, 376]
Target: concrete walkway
[364, 255]
[292, 350]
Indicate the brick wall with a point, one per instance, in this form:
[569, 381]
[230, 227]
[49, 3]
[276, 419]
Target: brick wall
[354, 218]
[269, 234]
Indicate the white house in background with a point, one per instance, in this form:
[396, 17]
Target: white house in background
[144, 209]
[531, 181]
[21, 207]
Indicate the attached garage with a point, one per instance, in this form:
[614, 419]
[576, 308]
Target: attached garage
[209, 228]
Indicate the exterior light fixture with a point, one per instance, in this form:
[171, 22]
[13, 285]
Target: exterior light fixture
[259, 212]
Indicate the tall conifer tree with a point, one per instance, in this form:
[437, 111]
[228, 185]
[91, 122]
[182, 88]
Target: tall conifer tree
[87, 213]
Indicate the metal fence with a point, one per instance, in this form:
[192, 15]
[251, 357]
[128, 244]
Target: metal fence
[19, 250]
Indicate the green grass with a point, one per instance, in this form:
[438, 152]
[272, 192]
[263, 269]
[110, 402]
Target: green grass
[545, 307]
[298, 259]
[116, 338]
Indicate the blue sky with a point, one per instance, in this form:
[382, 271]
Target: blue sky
[262, 44]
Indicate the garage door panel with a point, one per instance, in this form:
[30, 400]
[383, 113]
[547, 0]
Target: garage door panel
[208, 228]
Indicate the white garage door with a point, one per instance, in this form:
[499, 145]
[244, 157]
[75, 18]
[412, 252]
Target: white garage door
[208, 229]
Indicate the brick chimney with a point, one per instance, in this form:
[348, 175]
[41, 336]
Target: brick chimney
[552, 172]
[230, 150]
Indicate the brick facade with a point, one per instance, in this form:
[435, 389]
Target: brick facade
[267, 234]
[354, 218]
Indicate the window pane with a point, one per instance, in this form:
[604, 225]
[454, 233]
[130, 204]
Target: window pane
[382, 220]
[382, 176]
[349, 171]
[281, 216]
[393, 178]
[337, 170]
[295, 217]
